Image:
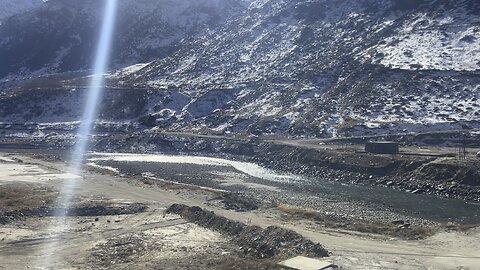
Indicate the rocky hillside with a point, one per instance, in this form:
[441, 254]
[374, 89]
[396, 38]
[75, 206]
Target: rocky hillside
[303, 68]
[10, 8]
[60, 35]
[330, 67]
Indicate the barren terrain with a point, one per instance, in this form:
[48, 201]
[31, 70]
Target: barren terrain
[152, 239]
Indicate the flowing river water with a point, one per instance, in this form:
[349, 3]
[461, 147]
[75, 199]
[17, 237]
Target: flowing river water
[217, 172]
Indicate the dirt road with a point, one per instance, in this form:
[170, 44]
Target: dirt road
[149, 239]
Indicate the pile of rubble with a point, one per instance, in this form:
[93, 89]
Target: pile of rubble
[239, 202]
[253, 240]
[119, 250]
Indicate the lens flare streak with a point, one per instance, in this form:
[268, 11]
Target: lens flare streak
[49, 255]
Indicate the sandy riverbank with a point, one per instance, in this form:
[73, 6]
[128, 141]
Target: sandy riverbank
[152, 240]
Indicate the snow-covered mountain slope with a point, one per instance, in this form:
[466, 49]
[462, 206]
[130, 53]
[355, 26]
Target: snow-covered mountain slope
[329, 67]
[61, 35]
[10, 8]
[312, 68]
[444, 37]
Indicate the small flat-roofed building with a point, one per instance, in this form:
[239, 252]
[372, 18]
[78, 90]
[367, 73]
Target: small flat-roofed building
[383, 147]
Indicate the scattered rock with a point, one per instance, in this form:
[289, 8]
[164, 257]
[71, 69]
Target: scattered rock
[398, 222]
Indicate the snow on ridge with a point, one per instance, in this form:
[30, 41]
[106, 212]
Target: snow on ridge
[258, 3]
[127, 70]
[9, 8]
[447, 42]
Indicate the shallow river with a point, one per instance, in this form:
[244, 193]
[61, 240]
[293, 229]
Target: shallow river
[196, 169]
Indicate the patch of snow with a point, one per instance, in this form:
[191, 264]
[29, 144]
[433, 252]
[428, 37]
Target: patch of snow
[451, 42]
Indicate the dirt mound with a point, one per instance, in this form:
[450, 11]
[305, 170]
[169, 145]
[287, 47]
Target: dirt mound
[104, 209]
[86, 209]
[254, 241]
[238, 202]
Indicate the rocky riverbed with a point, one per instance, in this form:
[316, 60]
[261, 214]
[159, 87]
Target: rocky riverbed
[414, 172]
[245, 186]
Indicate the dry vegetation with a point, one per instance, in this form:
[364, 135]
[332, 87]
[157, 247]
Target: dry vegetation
[18, 196]
[411, 232]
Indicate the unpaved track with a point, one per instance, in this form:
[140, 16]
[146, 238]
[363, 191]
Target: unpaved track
[74, 242]
[135, 226]
[360, 251]
[452, 250]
